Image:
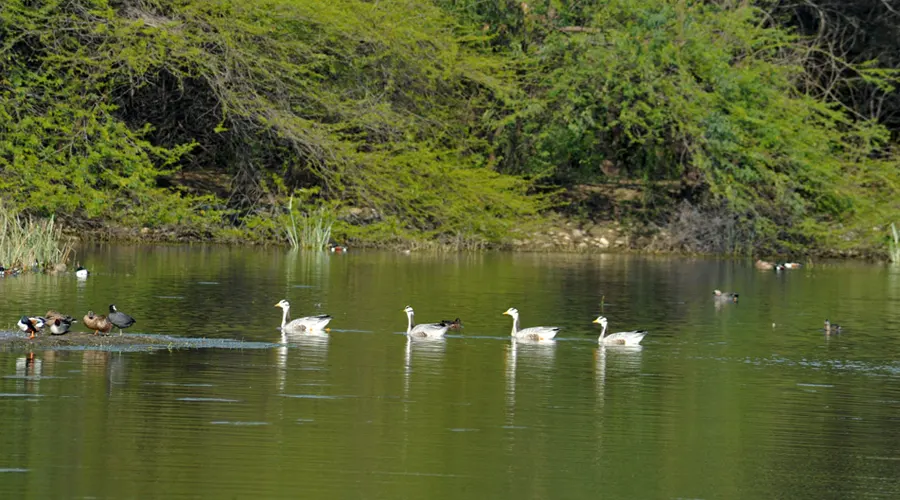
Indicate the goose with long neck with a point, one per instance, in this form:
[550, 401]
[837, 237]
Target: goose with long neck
[721, 296]
[631, 338]
[429, 330]
[533, 333]
[832, 328]
[305, 324]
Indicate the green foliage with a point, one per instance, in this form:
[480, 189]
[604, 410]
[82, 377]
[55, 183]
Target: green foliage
[106, 104]
[702, 93]
[24, 241]
[62, 147]
[894, 244]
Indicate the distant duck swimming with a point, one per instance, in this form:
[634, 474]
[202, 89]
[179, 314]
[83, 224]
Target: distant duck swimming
[721, 296]
[119, 319]
[631, 338]
[97, 323]
[425, 330]
[831, 328]
[305, 324]
[31, 325]
[533, 333]
[764, 264]
[81, 272]
[456, 324]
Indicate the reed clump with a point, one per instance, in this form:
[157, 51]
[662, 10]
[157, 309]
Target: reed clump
[27, 242]
[310, 229]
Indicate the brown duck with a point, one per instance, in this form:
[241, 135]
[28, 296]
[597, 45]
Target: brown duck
[98, 323]
[456, 324]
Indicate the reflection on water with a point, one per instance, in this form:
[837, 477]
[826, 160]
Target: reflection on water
[309, 350]
[28, 374]
[714, 400]
[624, 363]
[428, 353]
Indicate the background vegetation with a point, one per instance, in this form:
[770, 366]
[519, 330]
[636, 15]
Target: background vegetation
[456, 121]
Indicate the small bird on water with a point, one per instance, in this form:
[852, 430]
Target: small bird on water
[455, 324]
[721, 296]
[119, 319]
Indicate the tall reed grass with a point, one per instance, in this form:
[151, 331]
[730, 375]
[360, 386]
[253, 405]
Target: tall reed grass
[25, 241]
[310, 230]
[894, 246]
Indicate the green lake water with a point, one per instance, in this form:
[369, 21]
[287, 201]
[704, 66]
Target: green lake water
[746, 400]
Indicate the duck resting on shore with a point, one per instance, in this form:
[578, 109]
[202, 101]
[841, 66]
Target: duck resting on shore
[97, 322]
[59, 323]
[31, 325]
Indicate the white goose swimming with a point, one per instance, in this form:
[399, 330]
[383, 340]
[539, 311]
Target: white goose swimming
[306, 324]
[427, 330]
[632, 338]
[533, 333]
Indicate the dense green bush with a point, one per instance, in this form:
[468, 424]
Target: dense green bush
[706, 94]
[449, 121]
[105, 106]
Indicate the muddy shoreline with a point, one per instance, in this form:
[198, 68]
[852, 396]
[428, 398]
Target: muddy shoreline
[17, 341]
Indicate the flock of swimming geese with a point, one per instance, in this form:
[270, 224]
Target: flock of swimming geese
[59, 324]
[317, 324]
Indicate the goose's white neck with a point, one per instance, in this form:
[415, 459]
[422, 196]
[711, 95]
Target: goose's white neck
[285, 315]
[515, 328]
[410, 322]
[603, 332]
